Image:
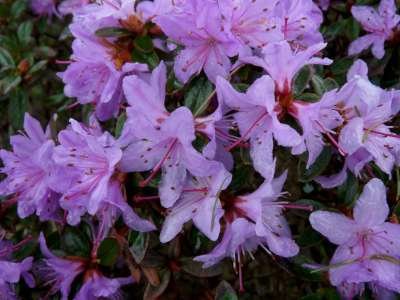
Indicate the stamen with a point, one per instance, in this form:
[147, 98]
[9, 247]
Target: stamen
[139, 199]
[295, 206]
[155, 170]
[383, 133]
[331, 139]
[244, 136]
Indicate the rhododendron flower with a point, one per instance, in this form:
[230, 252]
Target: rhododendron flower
[316, 120]
[379, 23]
[71, 6]
[252, 23]
[116, 9]
[156, 139]
[148, 10]
[258, 121]
[299, 22]
[97, 286]
[216, 127]
[29, 170]
[11, 272]
[199, 202]
[44, 7]
[97, 69]
[324, 4]
[58, 273]
[365, 108]
[207, 45]
[91, 159]
[368, 247]
[253, 220]
[282, 62]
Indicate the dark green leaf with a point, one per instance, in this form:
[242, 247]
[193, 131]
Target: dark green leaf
[18, 8]
[108, 252]
[24, 32]
[151, 59]
[198, 93]
[154, 292]
[6, 58]
[120, 124]
[112, 32]
[138, 244]
[196, 268]
[17, 107]
[225, 291]
[144, 44]
[302, 80]
[318, 167]
[76, 242]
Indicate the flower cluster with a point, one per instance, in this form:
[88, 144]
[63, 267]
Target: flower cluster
[190, 155]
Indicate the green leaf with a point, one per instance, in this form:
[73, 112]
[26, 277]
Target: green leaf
[17, 107]
[151, 59]
[11, 82]
[138, 244]
[154, 292]
[318, 167]
[112, 32]
[352, 29]
[18, 7]
[318, 85]
[302, 80]
[108, 252]
[24, 32]
[144, 44]
[120, 124]
[225, 291]
[198, 93]
[196, 268]
[76, 242]
[6, 58]
[38, 66]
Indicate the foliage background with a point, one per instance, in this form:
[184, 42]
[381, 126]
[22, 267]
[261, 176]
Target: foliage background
[30, 48]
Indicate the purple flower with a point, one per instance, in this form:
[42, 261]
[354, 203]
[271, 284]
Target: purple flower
[324, 4]
[299, 22]
[58, 273]
[97, 286]
[148, 10]
[44, 7]
[91, 158]
[368, 247]
[379, 23]
[282, 62]
[253, 220]
[316, 120]
[97, 69]
[200, 30]
[365, 109]
[258, 121]
[199, 202]
[11, 272]
[118, 10]
[252, 23]
[155, 139]
[216, 127]
[71, 6]
[28, 169]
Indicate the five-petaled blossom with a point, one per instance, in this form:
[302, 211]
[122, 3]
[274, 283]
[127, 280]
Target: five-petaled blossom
[155, 139]
[30, 169]
[59, 273]
[258, 121]
[368, 247]
[11, 272]
[380, 24]
[252, 221]
[92, 181]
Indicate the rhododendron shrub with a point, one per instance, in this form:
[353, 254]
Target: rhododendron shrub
[205, 149]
